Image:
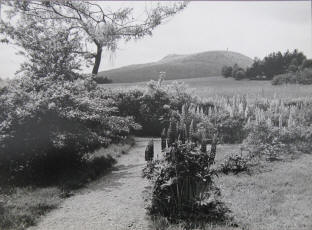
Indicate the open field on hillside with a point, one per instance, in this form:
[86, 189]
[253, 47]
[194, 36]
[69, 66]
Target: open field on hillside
[220, 86]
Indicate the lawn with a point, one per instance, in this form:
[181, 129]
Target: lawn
[275, 196]
[279, 197]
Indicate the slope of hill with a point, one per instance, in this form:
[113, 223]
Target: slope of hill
[204, 64]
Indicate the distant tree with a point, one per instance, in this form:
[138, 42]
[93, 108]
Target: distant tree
[306, 64]
[239, 74]
[226, 71]
[293, 66]
[305, 76]
[234, 71]
[275, 64]
[100, 28]
[294, 57]
[235, 68]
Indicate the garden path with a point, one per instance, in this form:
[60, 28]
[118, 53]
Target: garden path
[114, 202]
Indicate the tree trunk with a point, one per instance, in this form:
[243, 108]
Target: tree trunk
[97, 62]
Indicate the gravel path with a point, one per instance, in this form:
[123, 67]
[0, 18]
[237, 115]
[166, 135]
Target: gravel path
[113, 202]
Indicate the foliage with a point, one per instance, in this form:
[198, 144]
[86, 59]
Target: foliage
[103, 80]
[280, 130]
[231, 129]
[100, 27]
[234, 163]
[286, 78]
[307, 64]
[235, 71]
[49, 125]
[151, 107]
[183, 187]
[48, 50]
[275, 64]
[303, 77]
[147, 109]
[226, 71]
[238, 73]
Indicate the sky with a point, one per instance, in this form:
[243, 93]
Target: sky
[252, 28]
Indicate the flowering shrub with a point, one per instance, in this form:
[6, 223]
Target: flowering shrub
[183, 187]
[230, 128]
[273, 143]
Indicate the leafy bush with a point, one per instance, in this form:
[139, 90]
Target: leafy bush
[231, 129]
[239, 74]
[183, 187]
[263, 141]
[284, 139]
[48, 125]
[234, 163]
[146, 109]
[286, 78]
[302, 77]
[151, 107]
[305, 76]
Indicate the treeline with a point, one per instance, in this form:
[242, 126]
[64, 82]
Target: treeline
[288, 67]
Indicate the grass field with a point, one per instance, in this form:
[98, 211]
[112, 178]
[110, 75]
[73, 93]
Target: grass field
[279, 197]
[213, 86]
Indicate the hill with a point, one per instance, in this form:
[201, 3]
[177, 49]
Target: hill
[197, 65]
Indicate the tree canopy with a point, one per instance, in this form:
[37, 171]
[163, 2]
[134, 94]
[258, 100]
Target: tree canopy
[98, 27]
[275, 64]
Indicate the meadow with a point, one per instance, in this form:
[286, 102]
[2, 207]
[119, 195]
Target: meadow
[220, 86]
